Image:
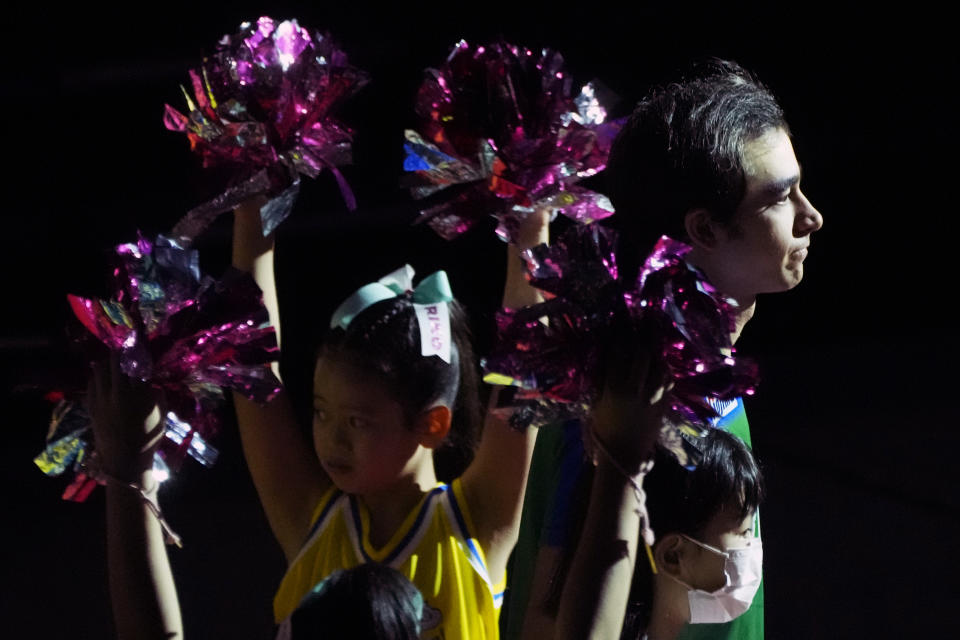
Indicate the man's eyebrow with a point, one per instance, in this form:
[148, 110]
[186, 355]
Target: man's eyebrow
[777, 187]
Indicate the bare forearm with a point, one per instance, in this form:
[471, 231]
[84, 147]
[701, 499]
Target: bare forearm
[517, 291]
[495, 484]
[253, 254]
[595, 595]
[285, 471]
[142, 589]
[497, 479]
[540, 615]
[533, 230]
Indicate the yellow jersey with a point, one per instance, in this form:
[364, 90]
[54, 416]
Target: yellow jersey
[434, 548]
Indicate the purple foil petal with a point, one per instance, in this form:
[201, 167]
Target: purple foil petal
[188, 334]
[503, 122]
[551, 351]
[200, 217]
[579, 266]
[277, 209]
[265, 100]
[693, 323]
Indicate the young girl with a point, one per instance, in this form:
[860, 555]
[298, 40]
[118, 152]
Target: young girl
[384, 415]
[367, 602]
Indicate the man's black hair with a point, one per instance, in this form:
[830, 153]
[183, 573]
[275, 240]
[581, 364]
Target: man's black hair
[682, 149]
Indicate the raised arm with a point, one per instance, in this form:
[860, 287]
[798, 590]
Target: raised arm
[624, 431]
[282, 463]
[496, 481]
[127, 429]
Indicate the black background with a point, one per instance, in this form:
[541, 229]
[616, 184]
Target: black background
[855, 421]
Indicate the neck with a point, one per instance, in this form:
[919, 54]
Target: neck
[389, 507]
[746, 302]
[743, 315]
[671, 609]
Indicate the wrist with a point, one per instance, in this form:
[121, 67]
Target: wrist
[631, 457]
[125, 470]
[249, 243]
[517, 290]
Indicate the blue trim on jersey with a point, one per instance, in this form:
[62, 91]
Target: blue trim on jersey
[323, 515]
[358, 526]
[355, 512]
[465, 531]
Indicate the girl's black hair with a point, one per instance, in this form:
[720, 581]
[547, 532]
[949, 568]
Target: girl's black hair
[681, 500]
[368, 602]
[384, 339]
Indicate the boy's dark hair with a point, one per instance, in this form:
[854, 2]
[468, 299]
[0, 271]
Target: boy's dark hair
[681, 500]
[368, 602]
[682, 149]
[384, 339]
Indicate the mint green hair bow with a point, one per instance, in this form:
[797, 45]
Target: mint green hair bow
[433, 289]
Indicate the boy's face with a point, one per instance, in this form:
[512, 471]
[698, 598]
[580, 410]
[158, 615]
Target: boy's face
[763, 249]
[725, 531]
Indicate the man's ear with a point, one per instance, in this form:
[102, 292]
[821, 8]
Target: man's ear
[700, 228]
[668, 553]
[433, 425]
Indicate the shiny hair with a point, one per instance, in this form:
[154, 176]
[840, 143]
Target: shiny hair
[368, 602]
[384, 339]
[682, 149]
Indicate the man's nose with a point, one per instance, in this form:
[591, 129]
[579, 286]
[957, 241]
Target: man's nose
[809, 218]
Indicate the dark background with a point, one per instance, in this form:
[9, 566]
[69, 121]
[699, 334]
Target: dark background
[855, 421]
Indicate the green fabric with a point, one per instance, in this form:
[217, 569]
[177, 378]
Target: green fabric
[748, 626]
[546, 464]
[739, 426]
[536, 500]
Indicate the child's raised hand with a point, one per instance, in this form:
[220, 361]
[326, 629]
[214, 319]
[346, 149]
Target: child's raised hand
[534, 229]
[127, 423]
[629, 413]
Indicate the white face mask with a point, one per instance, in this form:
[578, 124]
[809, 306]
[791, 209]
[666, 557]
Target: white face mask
[743, 570]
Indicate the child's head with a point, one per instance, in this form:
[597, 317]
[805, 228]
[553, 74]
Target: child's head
[698, 515]
[368, 602]
[381, 405]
